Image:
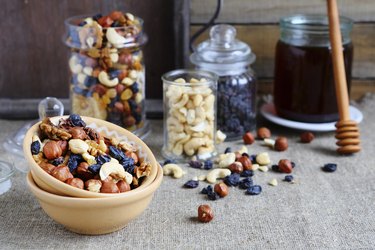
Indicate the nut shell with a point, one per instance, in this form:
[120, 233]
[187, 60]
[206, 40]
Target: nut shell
[307, 137]
[248, 138]
[52, 150]
[246, 162]
[285, 166]
[221, 189]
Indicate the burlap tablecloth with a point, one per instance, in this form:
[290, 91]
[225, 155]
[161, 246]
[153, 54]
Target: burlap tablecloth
[321, 211]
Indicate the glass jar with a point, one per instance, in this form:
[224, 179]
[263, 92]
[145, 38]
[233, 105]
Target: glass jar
[107, 69]
[304, 88]
[189, 98]
[230, 59]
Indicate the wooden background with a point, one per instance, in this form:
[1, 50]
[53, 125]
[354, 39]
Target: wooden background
[256, 22]
[33, 59]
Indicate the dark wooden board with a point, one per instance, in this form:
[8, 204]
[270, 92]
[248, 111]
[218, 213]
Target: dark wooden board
[33, 58]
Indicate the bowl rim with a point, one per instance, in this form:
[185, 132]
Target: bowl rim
[52, 199]
[73, 191]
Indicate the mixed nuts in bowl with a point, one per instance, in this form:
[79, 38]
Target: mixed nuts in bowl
[88, 158]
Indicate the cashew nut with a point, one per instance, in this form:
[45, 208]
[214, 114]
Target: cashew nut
[243, 150]
[220, 136]
[263, 168]
[89, 158]
[116, 171]
[226, 159]
[127, 81]
[114, 57]
[114, 37]
[77, 146]
[174, 170]
[74, 66]
[87, 70]
[81, 78]
[263, 159]
[104, 79]
[269, 142]
[217, 173]
[192, 145]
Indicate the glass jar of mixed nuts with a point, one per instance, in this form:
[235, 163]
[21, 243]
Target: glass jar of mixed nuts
[230, 59]
[189, 114]
[107, 69]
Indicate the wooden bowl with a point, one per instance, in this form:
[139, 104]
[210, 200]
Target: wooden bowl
[54, 186]
[95, 216]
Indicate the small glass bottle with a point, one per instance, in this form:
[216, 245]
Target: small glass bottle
[304, 88]
[189, 98]
[107, 69]
[230, 59]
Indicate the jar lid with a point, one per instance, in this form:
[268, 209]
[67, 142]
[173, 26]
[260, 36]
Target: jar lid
[222, 51]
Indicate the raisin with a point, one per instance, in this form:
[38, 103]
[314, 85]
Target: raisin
[207, 190]
[288, 178]
[73, 161]
[117, 153]
[247, 173]
[195, 164]
[246, 183]
[191, 184]
[213, 195]
[329, 167]
[101, 159]
[57, 161]
[95, 168]
[232, 180]
[76, 120]
[228, 150]
[35, 147]
[208, 164]
[254, 190]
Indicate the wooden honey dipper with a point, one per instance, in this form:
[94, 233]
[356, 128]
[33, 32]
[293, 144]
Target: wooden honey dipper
[347, 131]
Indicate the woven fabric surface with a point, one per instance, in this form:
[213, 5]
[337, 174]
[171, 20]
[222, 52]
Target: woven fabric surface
[320, 211]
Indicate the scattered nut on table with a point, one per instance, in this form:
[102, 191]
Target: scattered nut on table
[205, 213]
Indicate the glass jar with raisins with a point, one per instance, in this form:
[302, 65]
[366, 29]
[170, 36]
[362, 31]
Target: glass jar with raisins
[230, 59]
[107, 69]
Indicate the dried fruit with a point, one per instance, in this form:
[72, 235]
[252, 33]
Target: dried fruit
[191, 184]
[281, 143]
[195, 164]
[246, 183]
[232, 180]
[205, 213]
[254, 190]
[208, 164]
[247, 173]
[35, 147]
[329, 167]
[288, 178]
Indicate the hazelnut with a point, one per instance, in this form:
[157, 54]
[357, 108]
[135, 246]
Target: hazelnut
[236, 167]
[281, 143]
[307, 137]
[246, 162]
[205, 213]
[248, 138]
[108, 186]
[47, 167]
[78, 133]
[285, 166]
[63, 145]
[123, 186]
[238, 155]
[52, 150]
[125, 58]
[75, 182]
[115, 15]
[221, 189]
[61, 173]
[83, 171]
[129, 121]
[132, 155]
[263, 133]
[93, 185]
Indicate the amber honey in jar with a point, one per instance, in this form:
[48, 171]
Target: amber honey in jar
[304, 88]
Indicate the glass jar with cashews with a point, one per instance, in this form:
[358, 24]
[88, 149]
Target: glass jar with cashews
[107, 69]
[189, 98]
